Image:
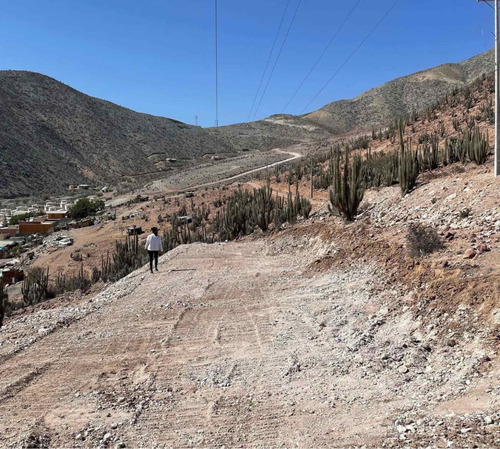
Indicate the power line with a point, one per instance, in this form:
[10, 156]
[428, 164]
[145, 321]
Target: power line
[278, 57]
[486, 3]
[323, 53]
[269, 59]
[353, 53]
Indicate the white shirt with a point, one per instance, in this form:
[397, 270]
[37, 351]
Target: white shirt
[153, 243]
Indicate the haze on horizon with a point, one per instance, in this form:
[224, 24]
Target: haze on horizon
[159, 58]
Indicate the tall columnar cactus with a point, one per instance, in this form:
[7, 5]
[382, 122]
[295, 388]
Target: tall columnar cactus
[408, 165]
[348, 187]
[478, 147]
[3, 301]
[429, 154]
[245, 210]
[35, 287]
[312, 179]
[263, 207]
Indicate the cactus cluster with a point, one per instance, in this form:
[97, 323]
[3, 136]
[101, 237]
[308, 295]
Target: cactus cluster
[380, 169]
[404, 166]
[127, 257]
[69, 283]
[408, 164]
[245, 210]
[471, 145]
[429, 157]
[35, 287]
[348, 186]
[476, 145]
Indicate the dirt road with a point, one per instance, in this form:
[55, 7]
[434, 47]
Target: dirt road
[235, 345]
[219, 176]
[250, 172]
[220, 180]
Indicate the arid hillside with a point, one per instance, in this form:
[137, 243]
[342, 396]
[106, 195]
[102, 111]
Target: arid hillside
[401, 96]
[315, 332]
[374, 108]
[280, 130]
[52, 135]
[322, 334]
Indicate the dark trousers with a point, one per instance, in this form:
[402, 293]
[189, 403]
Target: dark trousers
[153, 255]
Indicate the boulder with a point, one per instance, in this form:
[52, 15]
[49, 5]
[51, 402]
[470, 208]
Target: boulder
[470, 254]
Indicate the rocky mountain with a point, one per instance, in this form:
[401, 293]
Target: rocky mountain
[401, 96]
[52, 135]
[280, 130]
[373, 108]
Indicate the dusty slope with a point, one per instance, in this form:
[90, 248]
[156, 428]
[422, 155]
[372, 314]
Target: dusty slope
[249, 344]
[66, 137]
[374, 108]
[278, 130]
[401, 96]
[52, 135]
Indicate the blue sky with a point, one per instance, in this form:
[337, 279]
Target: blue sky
[157, 56]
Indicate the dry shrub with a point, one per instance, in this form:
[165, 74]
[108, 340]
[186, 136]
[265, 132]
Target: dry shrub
[422, 240]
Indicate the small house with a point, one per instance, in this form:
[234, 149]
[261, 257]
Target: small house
[56, 214]
[35, 227]
[9, 231]
[12, 275]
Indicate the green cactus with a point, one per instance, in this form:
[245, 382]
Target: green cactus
[348, 187]
[408, 165]
[35, 287]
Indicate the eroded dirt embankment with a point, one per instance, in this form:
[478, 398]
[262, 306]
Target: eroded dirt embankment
[305, 338]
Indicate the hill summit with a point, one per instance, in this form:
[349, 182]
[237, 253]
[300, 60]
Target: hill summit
[52, 135]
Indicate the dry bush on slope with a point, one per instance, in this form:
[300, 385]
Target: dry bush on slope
[422, 240]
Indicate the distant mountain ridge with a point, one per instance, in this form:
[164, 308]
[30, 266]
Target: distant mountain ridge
[376, 107]
[399, 97]
[52, 135]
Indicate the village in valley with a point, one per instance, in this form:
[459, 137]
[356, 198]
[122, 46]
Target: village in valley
[26, 229]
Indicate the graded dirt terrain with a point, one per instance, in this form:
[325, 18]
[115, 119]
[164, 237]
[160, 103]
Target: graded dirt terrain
[317, 334]
[278, 342]
[225, 171]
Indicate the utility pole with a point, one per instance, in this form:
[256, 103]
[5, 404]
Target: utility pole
[312, 179]
[196, 120]
[216, 67]
[497, 87]
[216, 75]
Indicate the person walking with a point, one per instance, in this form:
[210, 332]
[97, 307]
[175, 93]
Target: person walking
[154, 247]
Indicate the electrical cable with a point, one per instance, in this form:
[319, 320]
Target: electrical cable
[353, 53]
[268, 59]
[323, 53]
[278, 57]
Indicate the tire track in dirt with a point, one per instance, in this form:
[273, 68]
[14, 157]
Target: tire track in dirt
[17, 386]
[246, 349]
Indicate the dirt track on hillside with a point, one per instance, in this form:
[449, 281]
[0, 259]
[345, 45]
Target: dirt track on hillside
[236, 345]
